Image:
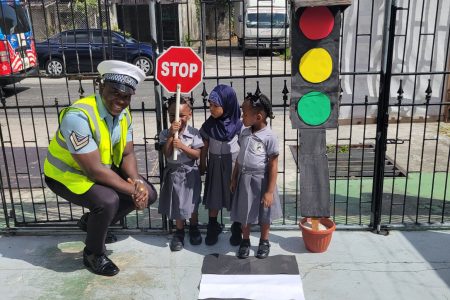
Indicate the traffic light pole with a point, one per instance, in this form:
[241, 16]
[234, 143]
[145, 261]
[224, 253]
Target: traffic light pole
[314, 173]
[383, 114]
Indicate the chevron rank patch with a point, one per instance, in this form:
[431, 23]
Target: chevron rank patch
[78, 141]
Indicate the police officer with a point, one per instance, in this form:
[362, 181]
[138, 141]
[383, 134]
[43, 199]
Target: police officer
[91, 161]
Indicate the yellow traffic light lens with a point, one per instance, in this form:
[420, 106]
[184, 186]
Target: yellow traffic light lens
[314, 108]
[316, 65]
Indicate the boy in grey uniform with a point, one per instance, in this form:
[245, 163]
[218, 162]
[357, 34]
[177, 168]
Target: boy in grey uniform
[254, 178]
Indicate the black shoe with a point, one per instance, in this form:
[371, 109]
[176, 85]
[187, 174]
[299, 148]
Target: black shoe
[244, 249]
[177, 242]
[195, 237]
[100, 264]
[263, 249]
[212, 233]
[82, 224]
[236, 234]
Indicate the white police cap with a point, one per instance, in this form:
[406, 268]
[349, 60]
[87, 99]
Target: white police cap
[121, 75]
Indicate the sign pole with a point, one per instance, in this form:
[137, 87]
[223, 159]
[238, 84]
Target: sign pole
[177, 117]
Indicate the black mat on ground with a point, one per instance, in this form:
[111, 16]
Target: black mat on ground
[231, 265]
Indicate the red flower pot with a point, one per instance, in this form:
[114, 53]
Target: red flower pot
[317, 241]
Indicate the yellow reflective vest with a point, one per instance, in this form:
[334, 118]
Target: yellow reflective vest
[60, 165]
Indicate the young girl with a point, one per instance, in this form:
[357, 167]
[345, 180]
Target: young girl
[181, 186]
[255, 174]
[220, 136]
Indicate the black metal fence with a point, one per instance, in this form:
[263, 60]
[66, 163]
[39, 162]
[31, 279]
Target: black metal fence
[389, 158]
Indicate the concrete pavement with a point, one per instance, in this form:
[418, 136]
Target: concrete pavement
[357, 265]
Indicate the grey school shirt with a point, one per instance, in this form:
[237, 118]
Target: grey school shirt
[218, 147]
[190, 137]
[256, 148]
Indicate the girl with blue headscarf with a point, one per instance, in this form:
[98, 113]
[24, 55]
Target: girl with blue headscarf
[220, 137]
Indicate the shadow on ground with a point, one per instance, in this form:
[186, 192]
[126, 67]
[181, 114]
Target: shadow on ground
[64, 254]
[434, 249]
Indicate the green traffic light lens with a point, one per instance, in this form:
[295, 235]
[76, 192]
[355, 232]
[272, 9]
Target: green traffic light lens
[314, 108]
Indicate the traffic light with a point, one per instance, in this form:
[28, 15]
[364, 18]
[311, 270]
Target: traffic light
[315, 66]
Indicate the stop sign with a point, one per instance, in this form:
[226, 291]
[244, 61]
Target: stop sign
[179, 65]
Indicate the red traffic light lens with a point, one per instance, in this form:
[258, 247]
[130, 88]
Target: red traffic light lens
[316, 23]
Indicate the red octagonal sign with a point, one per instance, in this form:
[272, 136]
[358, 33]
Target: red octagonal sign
[179, 65]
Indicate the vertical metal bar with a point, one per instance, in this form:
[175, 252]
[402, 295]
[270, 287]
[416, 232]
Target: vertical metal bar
[100, 15]
[39, 165]
[2, 189]
[14, 162]
[188, 23]
[297, 176]
[399, 104]
[285, 105]
[75, 36]
[444, 86]
[442, 93]
[216, 24]
[145, 158]
[8, 179]
[411, 120]
[427, 103]
[157, 41]
[257, 37]
[370, 40]
[406, 37]
[229, 36]
[39, 76]
[86, 12]
[419, 44]
[26, 158]
[383, 115]
[352, 114]
[444, 204]
[366, 101]
[242, 4]
[203, 31]
[63, 51]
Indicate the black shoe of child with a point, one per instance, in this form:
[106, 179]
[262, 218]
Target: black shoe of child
[99, 264]
[244, 249]
[263, 249]
[236, 234]
[177, 242]
[82, 224]
[195, 237]
[212, 233]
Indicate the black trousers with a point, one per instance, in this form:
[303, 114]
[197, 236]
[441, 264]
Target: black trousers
[106, 207]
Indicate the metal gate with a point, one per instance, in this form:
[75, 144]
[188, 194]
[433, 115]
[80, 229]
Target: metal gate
[389, 158]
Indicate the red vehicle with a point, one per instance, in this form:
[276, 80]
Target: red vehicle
[17, 47]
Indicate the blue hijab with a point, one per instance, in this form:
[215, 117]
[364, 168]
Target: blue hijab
[229, 124]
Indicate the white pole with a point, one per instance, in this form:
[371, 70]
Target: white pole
[177, 117]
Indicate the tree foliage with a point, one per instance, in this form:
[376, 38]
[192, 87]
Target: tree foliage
[83, 5]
